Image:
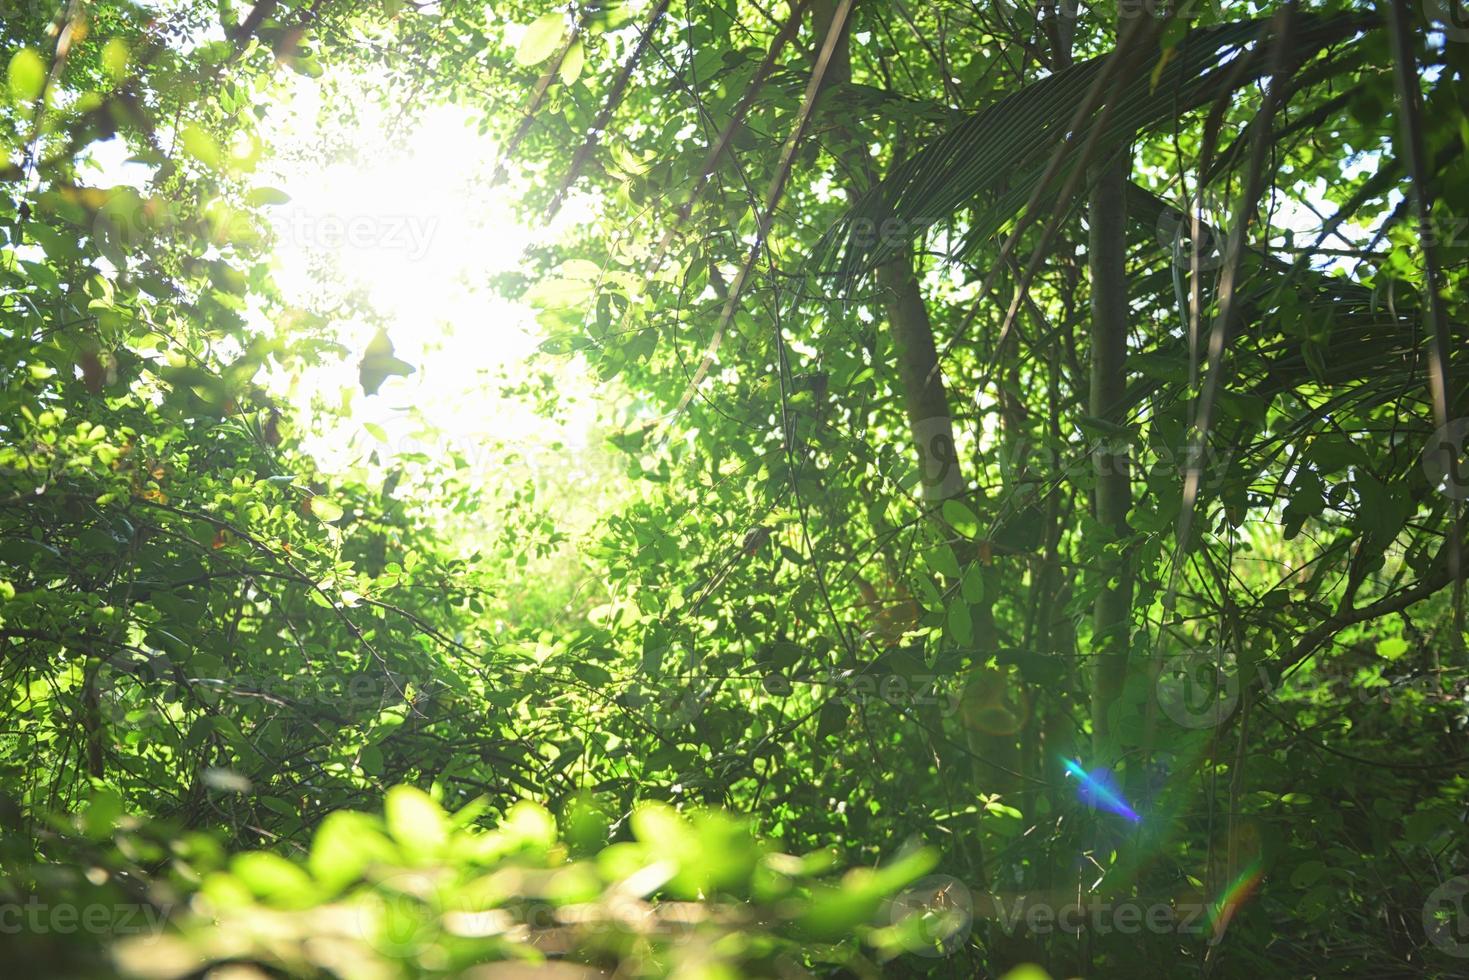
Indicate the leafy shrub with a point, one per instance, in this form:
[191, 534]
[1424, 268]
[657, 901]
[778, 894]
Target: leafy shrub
[417, 891]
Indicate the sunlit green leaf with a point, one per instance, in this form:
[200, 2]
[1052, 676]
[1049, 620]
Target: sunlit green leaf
[540, 40]
[571, 65]
[415, 820]
[326, 509]
[200, 145]
[26, 75]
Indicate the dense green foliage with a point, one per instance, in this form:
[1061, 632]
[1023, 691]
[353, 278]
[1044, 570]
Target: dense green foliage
[918, 568]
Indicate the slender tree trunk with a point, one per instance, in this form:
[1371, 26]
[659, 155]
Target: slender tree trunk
[925, 397]
[1112, 611]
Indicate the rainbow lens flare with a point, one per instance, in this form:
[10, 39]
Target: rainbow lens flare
[1233, 896]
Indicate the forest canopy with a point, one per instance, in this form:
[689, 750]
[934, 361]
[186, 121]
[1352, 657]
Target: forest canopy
[733, 488]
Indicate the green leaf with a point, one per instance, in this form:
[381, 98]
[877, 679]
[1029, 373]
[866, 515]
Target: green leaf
[572, 64]
[961, 518]
[102, 813]
[388, 720]
[416, 822]
[1423, 826]
[26, 75]
[833, 718]
[529, 824]
[560, 292]
[200, 145]
[378, 364]
[1027, 971]
[972, 586]
[1307, 874]
[1392, 648]
[591, 674]
[344, 845]
[940, 559]
[1383, 510]
[585, 824]
[272, 877]
[959, 623]
[115, 59]
[1306, 502]
[326, 510]
[540, 40]
[582, 270]
[267, 195]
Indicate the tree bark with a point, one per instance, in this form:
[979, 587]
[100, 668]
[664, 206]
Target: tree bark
[925, 396]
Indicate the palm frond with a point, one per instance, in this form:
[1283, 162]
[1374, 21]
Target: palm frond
[991, 162]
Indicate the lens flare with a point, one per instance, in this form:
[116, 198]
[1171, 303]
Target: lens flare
[1098, 789]
[1233, 896]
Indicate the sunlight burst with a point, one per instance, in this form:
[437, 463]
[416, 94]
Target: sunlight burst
[399, 219]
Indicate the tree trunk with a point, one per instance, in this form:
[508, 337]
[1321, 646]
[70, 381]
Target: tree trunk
[925, 397]
[1111, 613]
